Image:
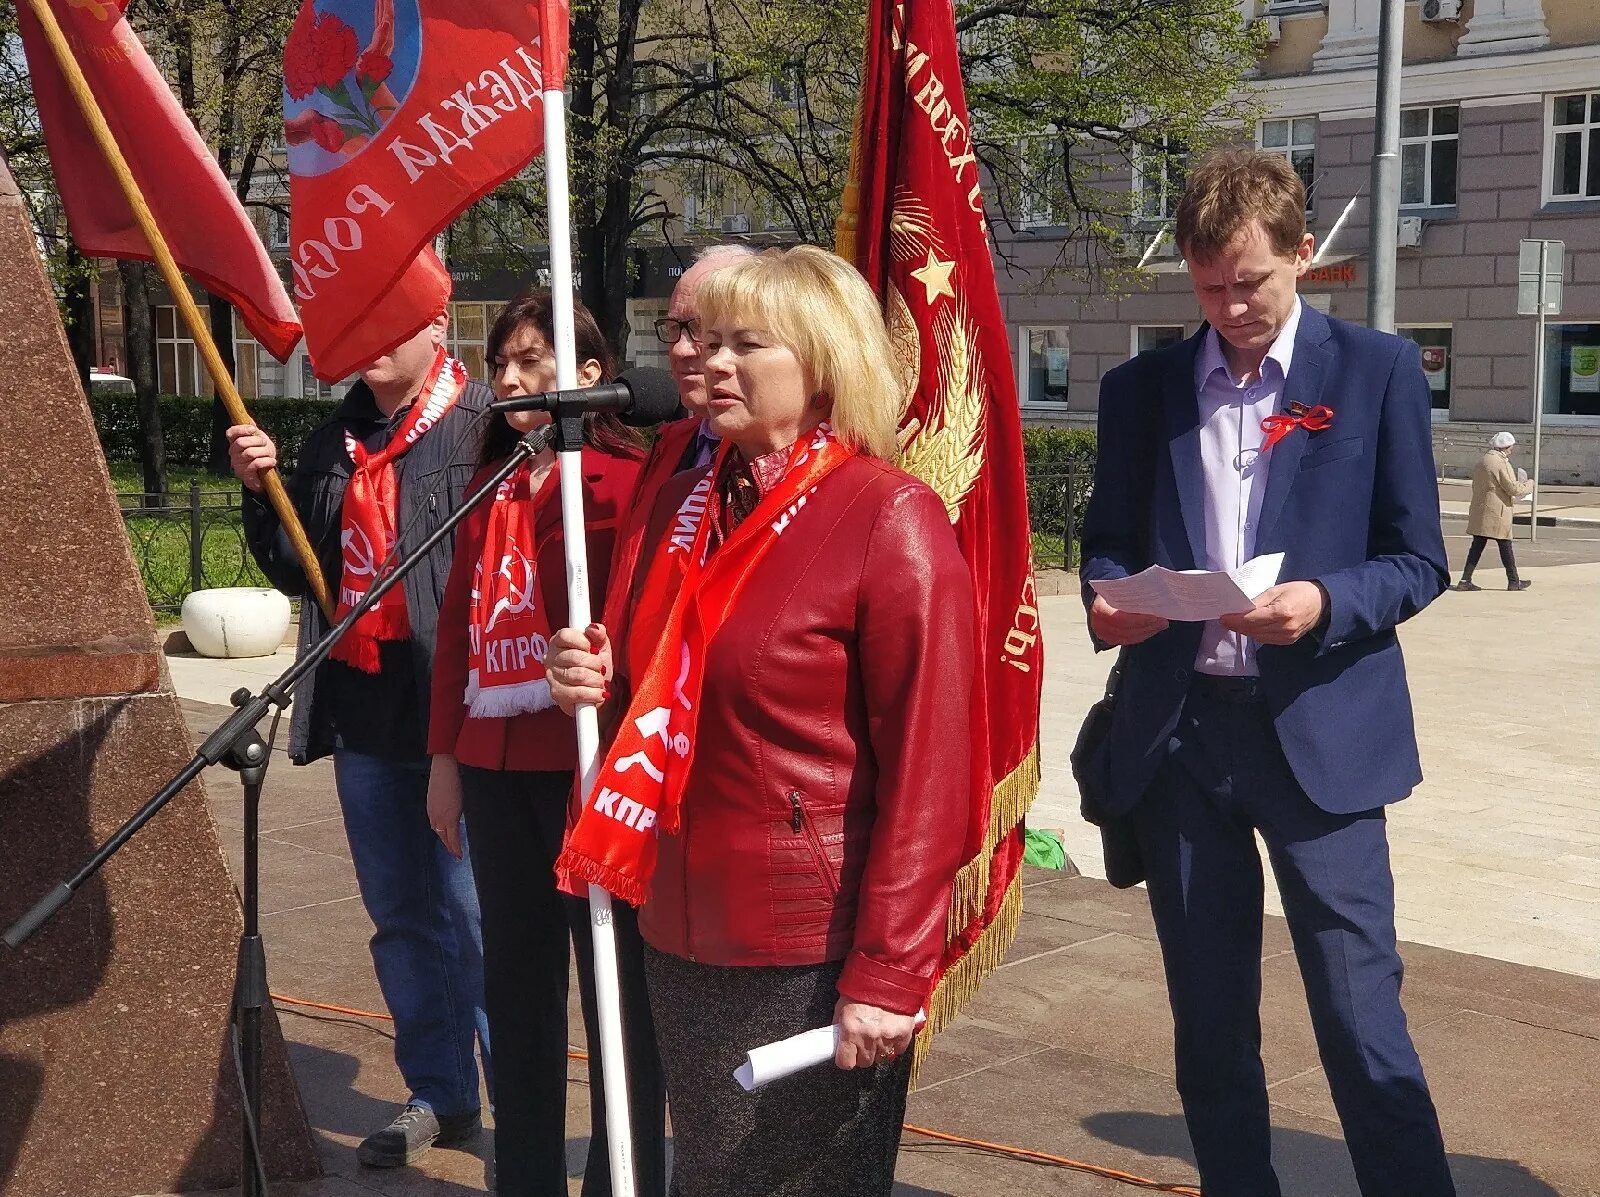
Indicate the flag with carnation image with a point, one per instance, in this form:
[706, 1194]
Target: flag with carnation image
[398, 115]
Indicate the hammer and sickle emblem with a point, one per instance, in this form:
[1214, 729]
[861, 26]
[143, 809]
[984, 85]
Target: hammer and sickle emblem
[519, 598]
[359, 559]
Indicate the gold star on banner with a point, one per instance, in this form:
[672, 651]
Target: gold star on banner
[935, 276]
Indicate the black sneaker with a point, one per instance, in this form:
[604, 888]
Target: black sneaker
[1464, 584]
[410, 1136]
[1522, 585]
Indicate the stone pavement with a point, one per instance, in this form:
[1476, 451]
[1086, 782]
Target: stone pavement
[1066, 1050]
[1498, 852]
[1560, 506]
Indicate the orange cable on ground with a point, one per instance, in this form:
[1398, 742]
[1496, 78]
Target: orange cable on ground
[1060, 1161]
[1005, 1149]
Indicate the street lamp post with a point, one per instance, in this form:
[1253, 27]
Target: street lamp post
[1385, 206]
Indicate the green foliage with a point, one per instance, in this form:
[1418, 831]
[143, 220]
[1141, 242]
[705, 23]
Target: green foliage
[1060, 468]
[1056, 450]
[186, 426]
[160, 536]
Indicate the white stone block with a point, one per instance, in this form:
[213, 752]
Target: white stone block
[236, 621]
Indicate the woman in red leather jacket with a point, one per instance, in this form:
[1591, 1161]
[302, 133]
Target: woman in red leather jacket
[786, 789]
[502, 750]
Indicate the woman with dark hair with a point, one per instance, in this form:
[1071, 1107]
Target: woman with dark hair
[504, 753]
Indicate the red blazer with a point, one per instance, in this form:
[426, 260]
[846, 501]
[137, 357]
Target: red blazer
[829, 795]
[542, 740]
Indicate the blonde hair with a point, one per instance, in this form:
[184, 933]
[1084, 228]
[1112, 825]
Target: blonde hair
[818, 306]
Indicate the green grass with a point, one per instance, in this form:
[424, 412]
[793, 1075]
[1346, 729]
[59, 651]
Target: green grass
[160, 540]
[127, 478]
[1049, 552]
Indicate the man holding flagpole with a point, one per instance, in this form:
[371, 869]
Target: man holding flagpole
[376, 479]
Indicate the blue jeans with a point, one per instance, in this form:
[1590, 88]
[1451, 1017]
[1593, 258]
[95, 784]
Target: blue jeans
[427, 948]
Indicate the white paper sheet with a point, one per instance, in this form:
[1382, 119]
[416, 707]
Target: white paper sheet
[1192, 595]
[763, 1065]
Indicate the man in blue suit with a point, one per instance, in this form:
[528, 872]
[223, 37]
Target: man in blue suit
[1272, 430]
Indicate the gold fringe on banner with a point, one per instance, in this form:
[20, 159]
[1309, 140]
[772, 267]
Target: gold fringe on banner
[1009, 802]
[956, 987]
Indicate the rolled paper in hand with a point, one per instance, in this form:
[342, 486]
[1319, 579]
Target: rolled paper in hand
[763, 1065]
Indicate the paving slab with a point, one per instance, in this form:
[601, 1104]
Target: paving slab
[1066, 1050]
[1497, 853]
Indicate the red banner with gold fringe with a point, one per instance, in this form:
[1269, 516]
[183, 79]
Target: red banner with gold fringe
[913, 223]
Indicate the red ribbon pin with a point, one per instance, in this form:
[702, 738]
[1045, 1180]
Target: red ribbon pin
[1277, 427]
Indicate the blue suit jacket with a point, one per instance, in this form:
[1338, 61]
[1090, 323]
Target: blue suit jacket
[1354, 507]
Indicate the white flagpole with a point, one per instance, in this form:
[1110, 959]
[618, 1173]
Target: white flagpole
[619, 1132]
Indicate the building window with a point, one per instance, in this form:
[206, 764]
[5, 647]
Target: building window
[1574, 148]
[1572, 369]
[256, 373]
[1294, 138]
[1435, 343]
[786, 86]
[278, 228]
[646, 81]
[1042, 184]
[1044, 361]
[1429, 139]
[1158, 179]
[178, 367]
[1155, 336]
[468, 336]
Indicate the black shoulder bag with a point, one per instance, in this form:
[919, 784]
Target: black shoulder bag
[1118, 839]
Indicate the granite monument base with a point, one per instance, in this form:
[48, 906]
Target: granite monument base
[116, 1070]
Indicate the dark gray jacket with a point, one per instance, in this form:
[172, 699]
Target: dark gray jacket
[431, 478]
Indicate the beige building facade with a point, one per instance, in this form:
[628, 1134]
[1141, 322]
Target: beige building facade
[1500, 142]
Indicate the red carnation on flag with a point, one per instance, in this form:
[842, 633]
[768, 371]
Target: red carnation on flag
[194, 205]
[396, 121]
[913, 223]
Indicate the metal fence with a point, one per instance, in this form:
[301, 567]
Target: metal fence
[188, 542]
[183, 543]
[1057, 496]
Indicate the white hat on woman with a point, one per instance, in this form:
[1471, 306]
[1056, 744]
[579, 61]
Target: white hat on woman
[1502, 440]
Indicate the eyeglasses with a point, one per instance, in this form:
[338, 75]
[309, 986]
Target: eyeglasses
[670, 331]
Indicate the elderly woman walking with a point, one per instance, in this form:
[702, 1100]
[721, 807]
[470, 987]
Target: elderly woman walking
[1495, 486]
[786, 788]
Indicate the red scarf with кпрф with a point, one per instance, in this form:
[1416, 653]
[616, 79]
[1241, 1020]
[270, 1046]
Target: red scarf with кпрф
[685, 601]
[371, 504]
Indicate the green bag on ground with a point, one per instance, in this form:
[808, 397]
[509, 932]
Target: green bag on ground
[1043, 849]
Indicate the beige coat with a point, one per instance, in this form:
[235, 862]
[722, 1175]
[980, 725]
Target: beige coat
[1494, 489]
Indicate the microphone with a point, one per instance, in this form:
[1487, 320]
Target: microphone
[641, 397]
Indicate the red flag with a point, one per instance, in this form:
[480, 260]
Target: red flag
[913, 224]
[194, 206]
[398, 114]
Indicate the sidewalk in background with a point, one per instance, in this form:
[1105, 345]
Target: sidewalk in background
[1559, 506]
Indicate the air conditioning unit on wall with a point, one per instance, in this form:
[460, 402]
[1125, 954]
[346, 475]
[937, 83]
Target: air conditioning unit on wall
[737, 223]
[1274, 28]
[1441, 10]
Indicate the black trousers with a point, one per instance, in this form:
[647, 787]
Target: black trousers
[515, 823]
[1507, 558]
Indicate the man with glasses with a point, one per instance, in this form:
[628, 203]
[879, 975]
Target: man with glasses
[679, 330]
[685, 444]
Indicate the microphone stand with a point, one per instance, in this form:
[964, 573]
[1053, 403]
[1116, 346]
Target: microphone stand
[237, 745]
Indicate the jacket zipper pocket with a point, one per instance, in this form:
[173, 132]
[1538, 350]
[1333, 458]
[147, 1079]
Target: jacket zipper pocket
[804, 826]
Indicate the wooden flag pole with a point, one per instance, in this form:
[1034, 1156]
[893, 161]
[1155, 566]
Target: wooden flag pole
[272, 483]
